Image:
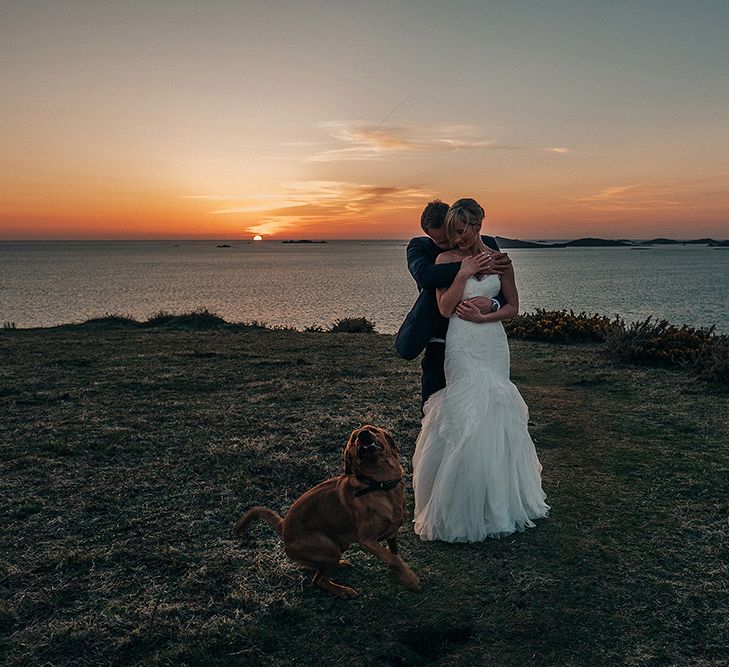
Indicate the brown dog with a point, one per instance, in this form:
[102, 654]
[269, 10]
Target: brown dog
[365, 505]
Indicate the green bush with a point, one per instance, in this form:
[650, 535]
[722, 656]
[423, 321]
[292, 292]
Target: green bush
[699, 351]
[160, 318]
[112, 320]
[352, 325]
[658, 342]
[196, 319]
[711, 363]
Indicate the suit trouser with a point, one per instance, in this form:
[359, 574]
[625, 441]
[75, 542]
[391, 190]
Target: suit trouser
[433, 378]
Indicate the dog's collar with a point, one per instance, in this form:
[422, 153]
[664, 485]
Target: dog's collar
[374, 485]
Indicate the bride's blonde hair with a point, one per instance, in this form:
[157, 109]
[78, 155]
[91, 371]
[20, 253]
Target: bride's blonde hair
[462, 212]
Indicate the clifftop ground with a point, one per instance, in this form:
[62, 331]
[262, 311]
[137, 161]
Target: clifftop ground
[127, 455]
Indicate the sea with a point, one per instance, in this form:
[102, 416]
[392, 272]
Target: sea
[46, 283]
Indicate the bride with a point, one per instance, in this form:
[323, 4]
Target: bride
[475, 471]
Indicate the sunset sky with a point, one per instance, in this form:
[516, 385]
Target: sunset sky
[328, 120]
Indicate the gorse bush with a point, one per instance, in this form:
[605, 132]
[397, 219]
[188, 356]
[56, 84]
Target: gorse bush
[711, 363]
[561, 326]
[352, 325]
[160, 318]
[196, 319]
[658, 341]
[112, 320]
[204, 319]
[700, 351]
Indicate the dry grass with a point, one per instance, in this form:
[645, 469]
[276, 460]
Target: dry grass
[128, 453]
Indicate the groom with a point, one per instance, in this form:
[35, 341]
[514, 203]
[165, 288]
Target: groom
[424, 327]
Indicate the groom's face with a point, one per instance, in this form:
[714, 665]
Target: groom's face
[439, 238]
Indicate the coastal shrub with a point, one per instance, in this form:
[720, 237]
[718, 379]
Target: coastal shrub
[159, 319]
[711, 362]
[258, 324]
[561, 326]
[253, 324]
[112, 320]
[195, 319]
[659, 342]
[352, 325]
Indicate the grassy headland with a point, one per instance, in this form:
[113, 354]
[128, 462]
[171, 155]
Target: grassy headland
[127, 453]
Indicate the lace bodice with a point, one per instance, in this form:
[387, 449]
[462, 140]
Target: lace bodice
[489, 286]
[484, 341]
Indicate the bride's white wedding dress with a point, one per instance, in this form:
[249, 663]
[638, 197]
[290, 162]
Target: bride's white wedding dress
[475, 471]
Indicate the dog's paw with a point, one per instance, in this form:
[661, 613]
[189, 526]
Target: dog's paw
[346, 593]
[411, 582]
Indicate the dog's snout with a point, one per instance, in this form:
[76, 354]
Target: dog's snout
[366, 444]
[365, 439]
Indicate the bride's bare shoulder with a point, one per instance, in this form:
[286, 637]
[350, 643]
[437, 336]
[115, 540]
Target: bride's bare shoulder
[448, 256]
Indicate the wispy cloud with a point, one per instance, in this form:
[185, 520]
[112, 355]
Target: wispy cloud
[656, 197]
[211, 197]
[612, 195]
[308, 204]
[365, 141]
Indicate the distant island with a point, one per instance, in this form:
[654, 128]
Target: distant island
[303, 241]
[590, 242]
[709, 242]
[516, 243]
[583, 243]
[586, 242]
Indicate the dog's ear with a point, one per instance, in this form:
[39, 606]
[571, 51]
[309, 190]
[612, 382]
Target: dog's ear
[391, 441]
[349, 454]
[348, 470]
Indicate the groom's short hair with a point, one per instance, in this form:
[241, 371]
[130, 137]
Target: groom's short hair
[433, 216]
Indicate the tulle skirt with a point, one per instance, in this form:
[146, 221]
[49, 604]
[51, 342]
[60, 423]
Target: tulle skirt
[475, 471]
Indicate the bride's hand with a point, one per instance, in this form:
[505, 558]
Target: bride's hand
[474, 264]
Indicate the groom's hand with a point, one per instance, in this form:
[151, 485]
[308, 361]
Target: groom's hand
[498, 262]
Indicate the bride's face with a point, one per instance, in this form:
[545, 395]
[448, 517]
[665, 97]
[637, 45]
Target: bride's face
[466, 236]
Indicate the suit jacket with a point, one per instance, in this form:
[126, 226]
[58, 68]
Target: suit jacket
[424, 320]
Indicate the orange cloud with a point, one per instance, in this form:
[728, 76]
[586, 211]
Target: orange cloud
[309, 205]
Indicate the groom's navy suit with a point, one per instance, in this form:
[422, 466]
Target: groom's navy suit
[424, 327]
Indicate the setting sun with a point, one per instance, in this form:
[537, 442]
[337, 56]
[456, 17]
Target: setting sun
[258, 237]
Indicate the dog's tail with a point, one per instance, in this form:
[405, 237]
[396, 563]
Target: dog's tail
[269, 516]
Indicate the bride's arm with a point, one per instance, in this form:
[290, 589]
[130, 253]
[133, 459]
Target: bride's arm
[449, 297]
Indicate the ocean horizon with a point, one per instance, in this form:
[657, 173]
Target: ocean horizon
[46, 283]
